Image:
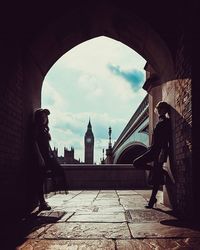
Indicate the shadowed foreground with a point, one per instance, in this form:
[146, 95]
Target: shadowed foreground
[106, 219]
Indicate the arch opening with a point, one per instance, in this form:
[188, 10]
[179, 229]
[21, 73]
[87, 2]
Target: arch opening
[73, 90]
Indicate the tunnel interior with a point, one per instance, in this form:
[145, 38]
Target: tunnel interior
[30, 46]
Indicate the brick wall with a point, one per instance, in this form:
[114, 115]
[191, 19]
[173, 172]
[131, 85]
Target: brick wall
[178, 94]
[11, 121]
[183, 146]
[19, 95]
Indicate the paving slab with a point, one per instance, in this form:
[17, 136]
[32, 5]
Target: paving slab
[70, 209]
[106, 202]
[107, 197]
[132, 198]
[158, 244]
[91, 191]
[101, 210]
[85, 196]
[65, 217]
[116, 199]
[114, 194]
[135, 205]
[158, 230]
[119, 217]
[87, 231]
[77, 203]
[126, 192]
[149, 215]
[68, 244]
[132, 202]
[35, 231]
[67, 208]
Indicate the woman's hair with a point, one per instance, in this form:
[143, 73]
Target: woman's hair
[38, 115]
[164, 106]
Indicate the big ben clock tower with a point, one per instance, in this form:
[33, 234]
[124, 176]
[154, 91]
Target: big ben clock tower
[89, 144]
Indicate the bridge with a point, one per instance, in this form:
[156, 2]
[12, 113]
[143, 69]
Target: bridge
[134, 139]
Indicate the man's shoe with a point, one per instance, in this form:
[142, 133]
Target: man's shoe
[44, 206]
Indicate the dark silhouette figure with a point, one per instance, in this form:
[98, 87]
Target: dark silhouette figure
[157, 152]
[46, 161]
[42, 138]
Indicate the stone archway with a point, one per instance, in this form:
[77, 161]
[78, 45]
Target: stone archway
[65, 34]
[46, 37]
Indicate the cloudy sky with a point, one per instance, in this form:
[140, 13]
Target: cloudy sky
[99, 79]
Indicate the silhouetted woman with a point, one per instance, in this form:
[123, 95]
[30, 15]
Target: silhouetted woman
[157, 152]
[46, 160]
[41, 140]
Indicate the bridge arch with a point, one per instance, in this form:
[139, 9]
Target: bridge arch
[129, 153]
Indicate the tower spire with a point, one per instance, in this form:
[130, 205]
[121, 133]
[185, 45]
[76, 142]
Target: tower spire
[89, 124]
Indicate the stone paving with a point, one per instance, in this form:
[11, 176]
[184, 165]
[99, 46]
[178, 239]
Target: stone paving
[107, 219]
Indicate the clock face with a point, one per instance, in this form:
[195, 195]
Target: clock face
[88, 140]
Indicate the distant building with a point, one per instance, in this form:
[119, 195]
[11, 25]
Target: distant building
[55, 152]
[89, 145]
[68, 157]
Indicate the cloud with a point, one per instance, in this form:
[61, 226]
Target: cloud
[76, 124]
[134, 77]
[51, 97]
